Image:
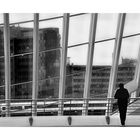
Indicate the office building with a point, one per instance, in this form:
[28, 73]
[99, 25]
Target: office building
[100, 78]
[21, 54]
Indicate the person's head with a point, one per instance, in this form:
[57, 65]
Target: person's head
[121, 85]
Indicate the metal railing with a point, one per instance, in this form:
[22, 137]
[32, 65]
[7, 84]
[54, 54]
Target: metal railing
[71, 106]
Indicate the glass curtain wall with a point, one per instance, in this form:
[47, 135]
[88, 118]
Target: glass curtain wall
[77, 54]
[103, 53]
[129, 49]
[21, 55]
[50, 34]
[2, 67]
[50, 50]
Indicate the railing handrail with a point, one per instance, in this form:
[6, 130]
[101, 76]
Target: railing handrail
[52, 105]
[65, 99]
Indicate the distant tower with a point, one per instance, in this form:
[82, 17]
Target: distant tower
[21, 41]
[49, 62]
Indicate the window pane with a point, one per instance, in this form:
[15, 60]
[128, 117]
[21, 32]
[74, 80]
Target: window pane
[49, 38]
[103, 53]
[76, 65]
[106, 26]
[1, 41]
[2, 66]
[2, 72]
[21, 68]
[49, 64]
[21, 39]
[21, 52]
[2, 93]
[132, 23]
[21, 91]
[128, 59]
[19, 17]
[79, 29]
[50, 33]
[102, 61]
[77, 55]
[48, 88]
[100, 81]
[50, 30]
[75, 81]
[1, 18]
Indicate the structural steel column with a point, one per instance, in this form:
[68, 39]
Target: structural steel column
[7, 63]
[137, 73]
[137, 70]
[35, 63]
[88, 73]
[63, 62]
[116, 55]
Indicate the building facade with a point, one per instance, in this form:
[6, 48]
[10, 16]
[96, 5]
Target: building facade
[21, 56]
[100, 79]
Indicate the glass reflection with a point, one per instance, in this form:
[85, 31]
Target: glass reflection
[48, 88]
[49, 38]
[2, 93]
[100, 81]
[2, 72]
[2, 65]
[1, 41]
[75, 82]
[49, 64]
[21, 39]
[50, 32]
[21, 68]
[21, 91]
[21, 48]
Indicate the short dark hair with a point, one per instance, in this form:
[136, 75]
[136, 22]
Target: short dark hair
[121, 85]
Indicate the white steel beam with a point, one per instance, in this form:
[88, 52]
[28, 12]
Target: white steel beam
[7, 63]
[137, 70]
[116, 55]
[88, 73]
[35, 63]
[137, 74]
[62, 81]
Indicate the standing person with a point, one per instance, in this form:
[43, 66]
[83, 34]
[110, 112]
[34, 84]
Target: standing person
[122, 95]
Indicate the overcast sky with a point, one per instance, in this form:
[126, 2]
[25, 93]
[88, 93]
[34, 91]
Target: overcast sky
[79, 33]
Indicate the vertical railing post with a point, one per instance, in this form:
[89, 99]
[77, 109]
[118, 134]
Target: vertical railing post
[63, 62]
[88, 73]
[115, 61]
[7, 63]
[35, 63]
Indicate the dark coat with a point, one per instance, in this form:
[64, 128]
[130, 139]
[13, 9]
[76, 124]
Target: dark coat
[122, 95]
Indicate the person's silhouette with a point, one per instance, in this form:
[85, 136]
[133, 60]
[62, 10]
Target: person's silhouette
[122, 95]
